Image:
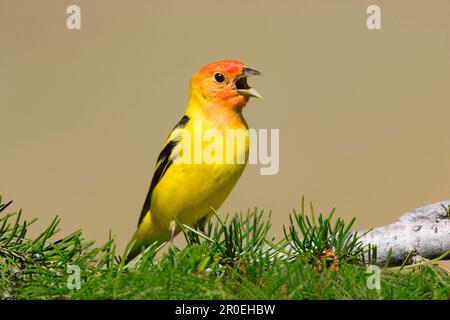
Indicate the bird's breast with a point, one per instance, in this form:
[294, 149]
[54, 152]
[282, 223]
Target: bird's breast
[188, 190]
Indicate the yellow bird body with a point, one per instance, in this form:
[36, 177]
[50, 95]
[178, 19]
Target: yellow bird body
[185, 191]
[188, 191]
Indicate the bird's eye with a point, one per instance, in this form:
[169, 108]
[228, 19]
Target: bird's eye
[219, 77]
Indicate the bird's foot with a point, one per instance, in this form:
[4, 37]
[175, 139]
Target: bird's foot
[172, 228]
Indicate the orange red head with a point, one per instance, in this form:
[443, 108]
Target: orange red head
[224, 83]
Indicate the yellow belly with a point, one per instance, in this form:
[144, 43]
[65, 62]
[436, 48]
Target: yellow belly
[189, 191]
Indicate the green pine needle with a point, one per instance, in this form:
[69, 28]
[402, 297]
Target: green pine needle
[233, 258]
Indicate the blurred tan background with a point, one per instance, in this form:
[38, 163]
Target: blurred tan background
[363, 115]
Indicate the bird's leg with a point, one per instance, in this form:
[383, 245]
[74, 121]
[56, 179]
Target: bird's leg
[172, 228]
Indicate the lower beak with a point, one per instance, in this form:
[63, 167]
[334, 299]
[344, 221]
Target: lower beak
[249, 93]
[242, 86]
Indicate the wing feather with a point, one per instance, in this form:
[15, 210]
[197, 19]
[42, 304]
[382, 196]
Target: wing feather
[163, 163]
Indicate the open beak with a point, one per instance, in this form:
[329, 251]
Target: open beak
[242, 86]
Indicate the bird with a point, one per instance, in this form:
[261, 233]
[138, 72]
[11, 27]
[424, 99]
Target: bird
[188, 181]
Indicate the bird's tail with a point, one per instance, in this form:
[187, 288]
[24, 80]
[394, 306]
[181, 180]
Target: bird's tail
[136, 248]
[146, 234]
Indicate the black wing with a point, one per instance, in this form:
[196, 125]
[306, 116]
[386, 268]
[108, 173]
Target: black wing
[163, 163]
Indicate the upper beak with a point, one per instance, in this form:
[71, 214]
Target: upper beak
[242, 86]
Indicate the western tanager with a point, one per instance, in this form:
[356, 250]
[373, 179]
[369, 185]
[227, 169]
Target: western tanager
[202, 158]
